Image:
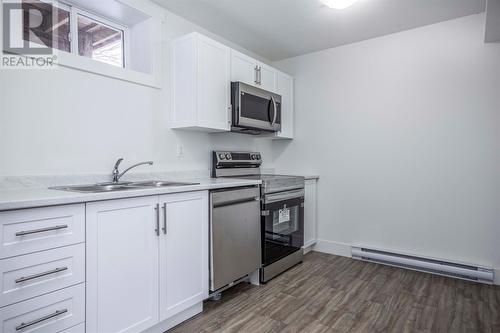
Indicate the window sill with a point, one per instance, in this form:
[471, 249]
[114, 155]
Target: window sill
[92, 66]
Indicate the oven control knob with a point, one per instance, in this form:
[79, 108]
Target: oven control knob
[222, 156]
[258, 157]
[228, 156]
[253, 157]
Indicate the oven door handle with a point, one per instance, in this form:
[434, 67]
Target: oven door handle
[276, 197]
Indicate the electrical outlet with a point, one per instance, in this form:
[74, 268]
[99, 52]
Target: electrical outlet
[180, 150]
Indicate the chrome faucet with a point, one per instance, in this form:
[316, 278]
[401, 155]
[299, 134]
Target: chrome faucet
[117, 175]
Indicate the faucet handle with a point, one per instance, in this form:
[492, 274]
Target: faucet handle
[118, 163]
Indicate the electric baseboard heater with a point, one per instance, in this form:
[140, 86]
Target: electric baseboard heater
[433, 266]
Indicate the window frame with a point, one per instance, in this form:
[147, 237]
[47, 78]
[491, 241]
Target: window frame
[152, 13]
[76, 11]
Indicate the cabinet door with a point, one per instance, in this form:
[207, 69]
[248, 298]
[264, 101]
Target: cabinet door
[267, 77]
[122, 265]
[310, 232]
[214, 84]
[183, 251]
[243, 68]
[284, 87]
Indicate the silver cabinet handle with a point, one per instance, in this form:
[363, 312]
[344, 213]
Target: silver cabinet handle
[39, 320]
[256, 74]
[35, 231]
[34, 276]
[164, 218]
[275, 110]
[157, 209]
[260, 75]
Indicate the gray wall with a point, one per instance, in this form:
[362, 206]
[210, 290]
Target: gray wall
[405, 133]
[66, 121]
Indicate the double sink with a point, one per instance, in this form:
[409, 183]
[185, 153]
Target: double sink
[120, 186]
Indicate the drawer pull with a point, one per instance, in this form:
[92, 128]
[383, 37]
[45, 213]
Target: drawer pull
[34, 276]
[39, 320]
[35, 231]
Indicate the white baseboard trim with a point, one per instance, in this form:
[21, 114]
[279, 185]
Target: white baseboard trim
[331, 247]
[344, 250]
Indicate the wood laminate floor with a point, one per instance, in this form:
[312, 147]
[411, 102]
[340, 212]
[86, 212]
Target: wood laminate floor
[328, 293]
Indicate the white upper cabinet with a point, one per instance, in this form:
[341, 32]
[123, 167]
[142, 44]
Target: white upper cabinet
[267, 77]
[284, 87]
[250, 71]
[201, 84]
[201, 74]
[243, 68]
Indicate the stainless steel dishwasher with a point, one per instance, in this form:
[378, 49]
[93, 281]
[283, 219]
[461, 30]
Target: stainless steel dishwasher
[235, 236]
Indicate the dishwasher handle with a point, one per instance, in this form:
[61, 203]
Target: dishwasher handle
[234, 196]
[235, 202]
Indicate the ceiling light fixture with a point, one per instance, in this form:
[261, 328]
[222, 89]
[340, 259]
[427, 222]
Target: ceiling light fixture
[338, 4]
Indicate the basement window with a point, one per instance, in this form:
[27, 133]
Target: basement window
[101, 41]
[54, 30]
[92, 36]
[121, 39]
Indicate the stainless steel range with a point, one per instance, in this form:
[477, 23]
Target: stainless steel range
[282, 209]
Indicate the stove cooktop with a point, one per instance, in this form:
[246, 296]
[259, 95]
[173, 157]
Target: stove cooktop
[247, 165]
[276, 183]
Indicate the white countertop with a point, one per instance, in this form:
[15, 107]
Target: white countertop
[38, 197]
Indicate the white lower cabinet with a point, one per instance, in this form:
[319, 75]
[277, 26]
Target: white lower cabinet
[147, 260]
[183, 252]
[80, 328]
[31, 230]
[54, 312]
[39, 273]
[310, 212]
[122, 265]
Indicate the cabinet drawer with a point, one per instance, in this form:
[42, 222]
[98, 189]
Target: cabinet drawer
[40, 273]
[80, 328]
[50, 313]
[31, 230]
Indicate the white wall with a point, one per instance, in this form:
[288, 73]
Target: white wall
[67, 121]
[405, 133]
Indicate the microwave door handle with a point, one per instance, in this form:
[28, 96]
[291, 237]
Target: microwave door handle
[275, 111]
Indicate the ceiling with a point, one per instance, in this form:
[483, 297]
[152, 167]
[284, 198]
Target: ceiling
[279, 29]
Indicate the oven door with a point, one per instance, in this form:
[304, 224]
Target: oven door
[282, 225]
[255, 108]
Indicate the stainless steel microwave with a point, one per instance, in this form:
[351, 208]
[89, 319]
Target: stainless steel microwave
[254, 110]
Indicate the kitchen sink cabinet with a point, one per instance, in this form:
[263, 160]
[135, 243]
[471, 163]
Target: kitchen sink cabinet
[122, 265]
[183, 252]
[147, 260]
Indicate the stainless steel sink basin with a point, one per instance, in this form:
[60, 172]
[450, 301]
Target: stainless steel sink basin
[112, 187]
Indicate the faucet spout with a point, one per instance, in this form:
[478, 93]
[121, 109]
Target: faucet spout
[117, 175]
